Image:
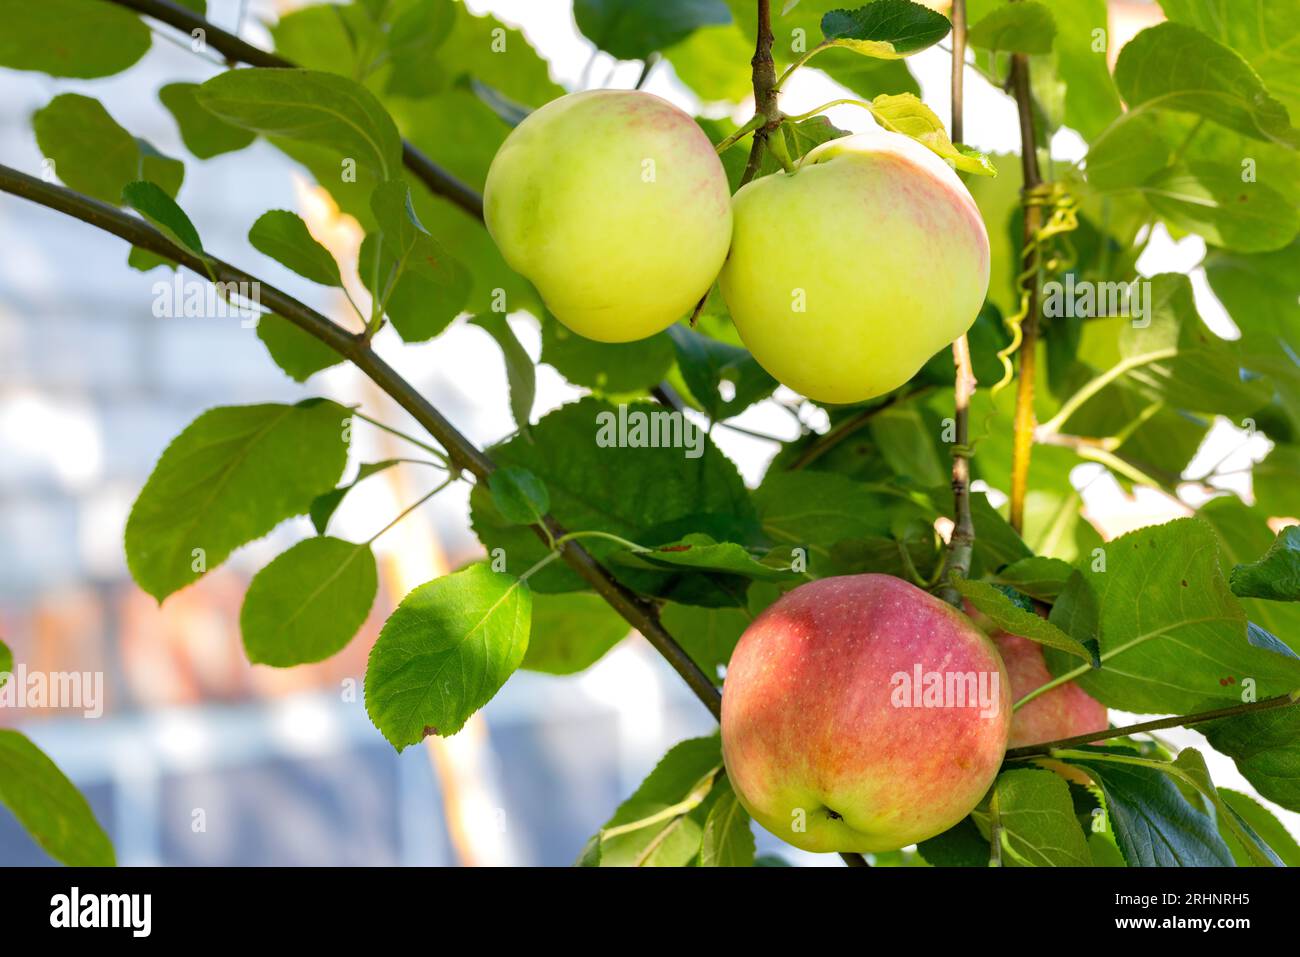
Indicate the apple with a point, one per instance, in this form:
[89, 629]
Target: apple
[1060, 713]
[615, 206]
[842, 726]
[846, 275]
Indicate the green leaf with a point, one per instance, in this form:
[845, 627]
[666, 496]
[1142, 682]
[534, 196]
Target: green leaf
[1276, 576]
[713, 62]
[1265, 826]
[599, 483]
[610, 368]
[419, 285]
[284, 237]
[961, 845]
[1026, 27]
[161, 210]
[74, 38]
[906, 114]
[1041, 578]
[1130, 156]
[1154, 824]
[1244, 534]
[1010, 617]
[6, 663]
[1173, 638]
[48, 805]
[324, 506]
[519, 496]
[706, 363]
[1265, 746]
[202, 133]
[708, 635]
[817, 509]
[445, 651]
[521, 375]
[309, 602]
[571, 632]
[1273, 481]
[1189, 767]
[297, 352]
[1265, 32]
[1174, 67]
[886, 29]
[1212, 199]
[308, 106]
[91, 152]
[701, 553]
[230, 477]
[1039, 828]
[727, 840]
[662, 823]
[632, 30]
[416, 43]
[1206, 374]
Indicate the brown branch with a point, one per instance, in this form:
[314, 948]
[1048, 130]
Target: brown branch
[961, 543]
[837, 434]
[766, 97]
[639, 613]
[441, 182]
[1178, 721]
[1023, 435]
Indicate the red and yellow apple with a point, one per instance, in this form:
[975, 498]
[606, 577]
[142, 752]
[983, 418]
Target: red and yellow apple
[615, 206]
[846, 275]
[1060, 713]
[860, 713]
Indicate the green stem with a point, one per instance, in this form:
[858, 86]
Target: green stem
[1076, 401]
[441, 455]
[789, 71]
[754, 123]
[575, 536]
[412, 507]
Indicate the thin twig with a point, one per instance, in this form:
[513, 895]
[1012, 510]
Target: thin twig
[1178, 721]
[961, 543]
[640, 614]
[439, 181]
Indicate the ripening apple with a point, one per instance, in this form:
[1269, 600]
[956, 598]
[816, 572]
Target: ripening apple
[862, 714]
[846, 275]
[615, 206]
[1060, 713]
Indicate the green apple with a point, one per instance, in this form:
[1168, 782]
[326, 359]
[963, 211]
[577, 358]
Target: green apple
[860, 713]
[615, 206]
[846, 275]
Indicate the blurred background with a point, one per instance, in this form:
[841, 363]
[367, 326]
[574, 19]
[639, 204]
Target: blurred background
[201, 758]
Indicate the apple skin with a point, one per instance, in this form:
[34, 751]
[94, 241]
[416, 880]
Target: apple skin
[1060, 713]
[809, 720]
[889, 251]
[616, 258]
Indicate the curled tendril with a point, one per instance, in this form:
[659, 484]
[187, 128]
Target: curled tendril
[1040, 255]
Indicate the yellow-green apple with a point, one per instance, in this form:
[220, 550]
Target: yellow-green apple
[1062, 712]
[846, 275]
[615, 206]
[860, 713]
